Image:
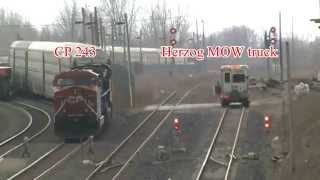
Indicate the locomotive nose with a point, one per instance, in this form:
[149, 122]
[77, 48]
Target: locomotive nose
[78, 118]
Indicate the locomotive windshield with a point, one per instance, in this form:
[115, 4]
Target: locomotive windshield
[64, 82]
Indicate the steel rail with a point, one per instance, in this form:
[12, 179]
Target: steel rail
[20, 132]
[234, 145]
[211, 147]
[109, 157]
[151, 135]
[24, 170]
[35, 135]
[58, 163]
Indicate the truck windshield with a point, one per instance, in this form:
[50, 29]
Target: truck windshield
[227, 77]
[237, 78]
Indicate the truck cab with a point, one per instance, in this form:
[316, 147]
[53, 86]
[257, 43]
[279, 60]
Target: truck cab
[234, 85]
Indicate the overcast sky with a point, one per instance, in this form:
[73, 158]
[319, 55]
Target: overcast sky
[217, 14]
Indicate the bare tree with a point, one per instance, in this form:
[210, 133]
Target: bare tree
[65, 27]
[14, 27]
[156, 28]
[45, 34]
[235, 35]
[115, 9]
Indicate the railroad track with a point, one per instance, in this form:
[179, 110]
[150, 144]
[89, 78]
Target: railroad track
[55, 157]
[221, 151]
[102, 173]
[13, 147]
[34, 172]
[36, 126]
[46, 161]
[19, 132]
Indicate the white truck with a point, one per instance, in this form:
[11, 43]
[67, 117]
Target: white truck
[234, 85]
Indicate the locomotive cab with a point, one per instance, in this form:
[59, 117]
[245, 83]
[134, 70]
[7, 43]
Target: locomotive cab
[234, 85]
[80, 103]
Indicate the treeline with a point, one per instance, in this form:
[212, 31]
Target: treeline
[151, 31]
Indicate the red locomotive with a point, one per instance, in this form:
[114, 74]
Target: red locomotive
[5, 87]
[82, 101]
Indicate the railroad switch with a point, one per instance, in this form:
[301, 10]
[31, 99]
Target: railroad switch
[228, 156]
[26, 153]
[90, 151]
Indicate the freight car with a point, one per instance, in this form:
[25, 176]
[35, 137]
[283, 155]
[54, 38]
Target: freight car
[82, 101]
[34, 64]
[5, 85]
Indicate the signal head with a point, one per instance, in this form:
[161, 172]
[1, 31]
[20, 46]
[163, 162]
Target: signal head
[173, 30]
[173, 42]
[273, 29]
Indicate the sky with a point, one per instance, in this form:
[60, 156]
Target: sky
[217, 14]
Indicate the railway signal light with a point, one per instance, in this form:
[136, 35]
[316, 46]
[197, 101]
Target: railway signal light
[173, 30]
[272, 36]
[177, 125]
[173, 42]
[267, 121]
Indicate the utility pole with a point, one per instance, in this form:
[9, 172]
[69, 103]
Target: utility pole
[280, 49]
[197, 33]
[83, 12]
[203, 37]
[91, 29]
[96, 27]
[140, 46]
[83, 22]
[72, 27]
[129, 60]
[193, 40]
[112, 40]
[292, 42]
[124, 44]
[101, 34]
[291, 123]
[165, 37]
[267, 45]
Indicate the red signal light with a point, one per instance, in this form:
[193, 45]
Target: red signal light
[266, 125]
[267, 121]
[177, 125]
[173, 30]
[173, 42]
[273, 41]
